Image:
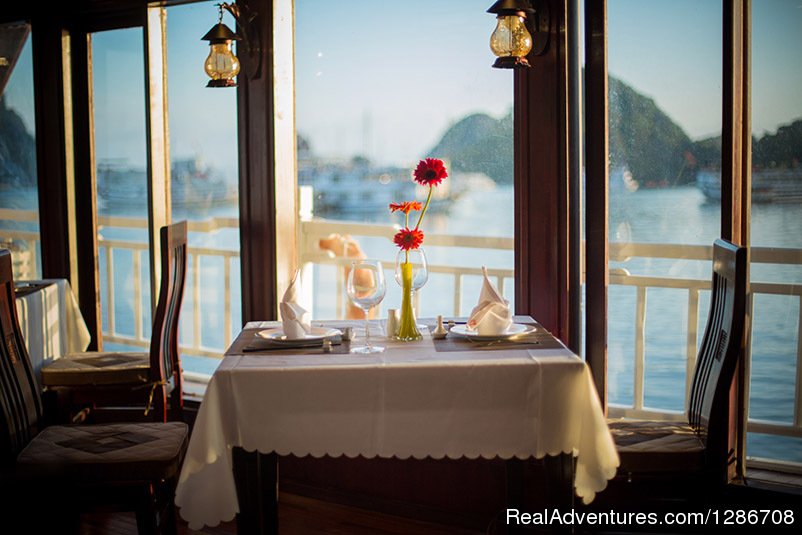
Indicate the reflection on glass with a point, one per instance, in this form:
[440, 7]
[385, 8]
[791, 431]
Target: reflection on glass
[118, 94]
[19, 199]
[664, 125]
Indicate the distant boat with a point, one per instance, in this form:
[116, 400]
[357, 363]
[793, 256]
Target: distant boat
[192, 185]
[355, 189]
[768, 186]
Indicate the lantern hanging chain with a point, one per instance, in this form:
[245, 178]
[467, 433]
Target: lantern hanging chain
[235, 12]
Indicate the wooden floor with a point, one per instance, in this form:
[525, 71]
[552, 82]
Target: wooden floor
[297, 516]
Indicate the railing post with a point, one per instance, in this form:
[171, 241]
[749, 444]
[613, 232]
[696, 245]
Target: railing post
[693, 334]
[110, 290]
[136, 269]
[798, 388]
[640, 347]
[457, 293]
[226, 300]
[196, 315]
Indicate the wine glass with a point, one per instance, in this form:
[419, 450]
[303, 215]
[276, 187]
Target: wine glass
[420, 267]
[366, 288]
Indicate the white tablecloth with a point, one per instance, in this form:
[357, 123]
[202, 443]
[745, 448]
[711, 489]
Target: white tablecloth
[51, 323]
[410, 401]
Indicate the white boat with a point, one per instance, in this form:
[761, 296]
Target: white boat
[768, 186]
[192, 185]
[356, 189]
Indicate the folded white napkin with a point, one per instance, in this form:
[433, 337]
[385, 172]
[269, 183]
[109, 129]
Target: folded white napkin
[492, 314]
[294, 317]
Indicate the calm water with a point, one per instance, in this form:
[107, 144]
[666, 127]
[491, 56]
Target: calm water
[662, 216]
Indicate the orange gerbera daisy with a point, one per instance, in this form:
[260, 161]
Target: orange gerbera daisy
[430, 172]
[406, 207]
[408, 239]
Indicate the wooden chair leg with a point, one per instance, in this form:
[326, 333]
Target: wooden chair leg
[168, 512]
[147, 513]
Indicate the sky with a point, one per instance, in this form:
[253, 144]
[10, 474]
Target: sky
[671, 51]
[388, 82]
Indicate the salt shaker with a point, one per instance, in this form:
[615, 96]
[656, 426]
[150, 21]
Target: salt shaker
[393, 323]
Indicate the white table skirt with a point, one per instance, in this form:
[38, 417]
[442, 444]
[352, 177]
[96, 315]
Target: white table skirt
[51, 323]
[410, 401]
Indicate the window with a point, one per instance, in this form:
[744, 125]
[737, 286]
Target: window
[373, 98]
[666, 207]
[776, 212]
[19, 198]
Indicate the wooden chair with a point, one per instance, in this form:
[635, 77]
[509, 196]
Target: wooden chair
[699, 445]
[49, 475]
[110, 383]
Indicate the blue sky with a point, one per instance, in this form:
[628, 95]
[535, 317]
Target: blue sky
[388, 82]
[671, 51]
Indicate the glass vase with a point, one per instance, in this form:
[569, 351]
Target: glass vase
[411, 273]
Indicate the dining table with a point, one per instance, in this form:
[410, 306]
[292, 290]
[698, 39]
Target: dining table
[50, 320]
[458, 397]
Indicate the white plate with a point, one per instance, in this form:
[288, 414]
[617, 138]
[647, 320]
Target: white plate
[514, 330]
[316, 336]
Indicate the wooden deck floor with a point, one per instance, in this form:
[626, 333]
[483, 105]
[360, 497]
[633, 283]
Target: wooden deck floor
[297, 516]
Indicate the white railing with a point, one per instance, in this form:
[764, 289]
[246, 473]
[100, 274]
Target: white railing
[620, 252]
[313, 230]
[193, 288]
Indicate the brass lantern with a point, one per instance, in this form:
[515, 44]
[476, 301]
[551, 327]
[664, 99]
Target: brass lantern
[520, 29]
[221, 64]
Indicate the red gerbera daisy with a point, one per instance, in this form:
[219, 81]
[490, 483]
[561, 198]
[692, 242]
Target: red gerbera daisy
[406, 207]
[430, 172]
[408, 239]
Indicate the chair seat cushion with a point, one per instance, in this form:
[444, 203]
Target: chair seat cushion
[124, 453]
[655, 446]
[93, 368]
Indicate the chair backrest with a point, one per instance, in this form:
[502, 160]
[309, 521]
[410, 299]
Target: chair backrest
[20, 402]
[164, 359]
[721, 348]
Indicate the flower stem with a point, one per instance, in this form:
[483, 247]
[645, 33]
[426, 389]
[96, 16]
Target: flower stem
[425, 207]
[406, 225]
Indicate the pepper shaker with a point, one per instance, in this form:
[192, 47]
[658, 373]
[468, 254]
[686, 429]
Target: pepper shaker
[440, 331]
[348, 334]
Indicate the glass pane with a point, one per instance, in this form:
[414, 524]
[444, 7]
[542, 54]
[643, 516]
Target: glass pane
[19, 199]
[372, 99]
[118, 79]
[204, 171]
[665, 124]
[776, 215]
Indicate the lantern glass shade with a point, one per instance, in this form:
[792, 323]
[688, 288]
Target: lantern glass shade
[511, 38]
[221, 64]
